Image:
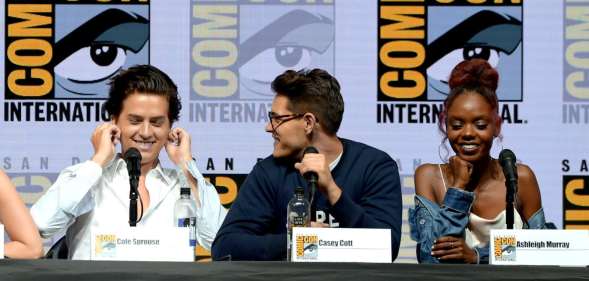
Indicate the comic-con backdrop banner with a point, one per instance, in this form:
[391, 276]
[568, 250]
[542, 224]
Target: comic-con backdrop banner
[392, 58]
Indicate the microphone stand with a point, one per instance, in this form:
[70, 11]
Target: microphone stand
[134, 181]
[509, 197]
[133, 160]
[508, 164]
[510, 189]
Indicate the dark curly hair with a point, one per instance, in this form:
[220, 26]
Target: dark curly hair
[314, 91]
[146, 79]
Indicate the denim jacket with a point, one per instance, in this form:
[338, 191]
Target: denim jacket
[428, 221]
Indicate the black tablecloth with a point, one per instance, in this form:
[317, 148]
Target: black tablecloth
[63, 270]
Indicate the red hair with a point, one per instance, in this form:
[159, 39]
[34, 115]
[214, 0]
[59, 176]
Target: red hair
[473, 76]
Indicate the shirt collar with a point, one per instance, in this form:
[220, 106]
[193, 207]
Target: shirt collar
[119, 163]
[336, 161]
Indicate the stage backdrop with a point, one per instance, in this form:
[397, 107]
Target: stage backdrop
[392, 59]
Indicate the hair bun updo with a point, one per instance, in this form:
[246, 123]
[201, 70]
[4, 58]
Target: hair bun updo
[473, 74]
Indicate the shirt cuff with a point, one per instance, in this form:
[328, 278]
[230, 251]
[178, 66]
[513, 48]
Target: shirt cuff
[193, 171]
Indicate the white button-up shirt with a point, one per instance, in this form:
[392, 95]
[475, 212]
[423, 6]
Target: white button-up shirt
[86, 196]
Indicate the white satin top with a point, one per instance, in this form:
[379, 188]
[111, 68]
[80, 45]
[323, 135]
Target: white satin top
[479, 229]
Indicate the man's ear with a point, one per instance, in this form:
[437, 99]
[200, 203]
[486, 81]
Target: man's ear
[310, 122]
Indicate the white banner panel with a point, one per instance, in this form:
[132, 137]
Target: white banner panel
[340, 245]
[141, 244]
[539, 247]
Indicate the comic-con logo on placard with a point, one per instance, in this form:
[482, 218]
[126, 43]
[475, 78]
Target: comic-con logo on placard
[420, 43]
[106, 245]
[61, 55]
[237, 48]
[307, 247]
[575, 202]
[505, 248]
[575, 107]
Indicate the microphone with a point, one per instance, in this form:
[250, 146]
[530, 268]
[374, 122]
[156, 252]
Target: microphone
[507, 161]
[133, 161]
[312, 179]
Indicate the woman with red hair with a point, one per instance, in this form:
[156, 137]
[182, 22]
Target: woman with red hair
[459, 202]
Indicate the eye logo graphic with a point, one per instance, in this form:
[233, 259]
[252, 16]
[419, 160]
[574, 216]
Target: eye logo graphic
[65, 50]
[94, 45]
[492, 35]
[420, 44]
[61, 54]
[236, 53]
[296, 40]
[442, 36]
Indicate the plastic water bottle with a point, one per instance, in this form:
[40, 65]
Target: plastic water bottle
[298, 214]
[185, 213]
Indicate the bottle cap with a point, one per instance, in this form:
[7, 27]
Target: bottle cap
[299, 190]
[185, 190]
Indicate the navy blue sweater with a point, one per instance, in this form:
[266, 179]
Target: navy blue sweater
[255, 227]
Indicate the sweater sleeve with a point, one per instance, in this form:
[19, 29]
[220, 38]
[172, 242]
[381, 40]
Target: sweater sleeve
[245, 233]
[380, 205]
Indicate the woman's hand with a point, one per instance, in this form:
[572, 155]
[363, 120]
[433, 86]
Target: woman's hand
[461, 172]
[449, 248]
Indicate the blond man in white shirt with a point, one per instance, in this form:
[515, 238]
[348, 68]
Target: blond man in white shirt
[143, 103]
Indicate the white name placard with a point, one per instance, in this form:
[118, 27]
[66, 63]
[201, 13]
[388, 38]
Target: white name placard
[142, 244]
[341, 245]
[539, 247]
[1, 241]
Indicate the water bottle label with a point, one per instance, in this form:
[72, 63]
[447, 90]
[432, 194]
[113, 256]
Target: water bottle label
[183, 222]
[298, 221]
[191, 224]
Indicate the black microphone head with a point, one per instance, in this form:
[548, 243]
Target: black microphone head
[507, 161]
[132, 153]
[310, 149]
[505, 156]
[133, 159]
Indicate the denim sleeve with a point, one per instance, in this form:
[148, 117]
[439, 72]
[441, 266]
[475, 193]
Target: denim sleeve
[428, 221]
[536, 221]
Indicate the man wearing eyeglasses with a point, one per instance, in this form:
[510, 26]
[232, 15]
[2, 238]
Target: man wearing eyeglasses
[358, 185]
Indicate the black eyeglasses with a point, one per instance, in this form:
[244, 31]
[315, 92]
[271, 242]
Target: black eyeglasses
[277, 120]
